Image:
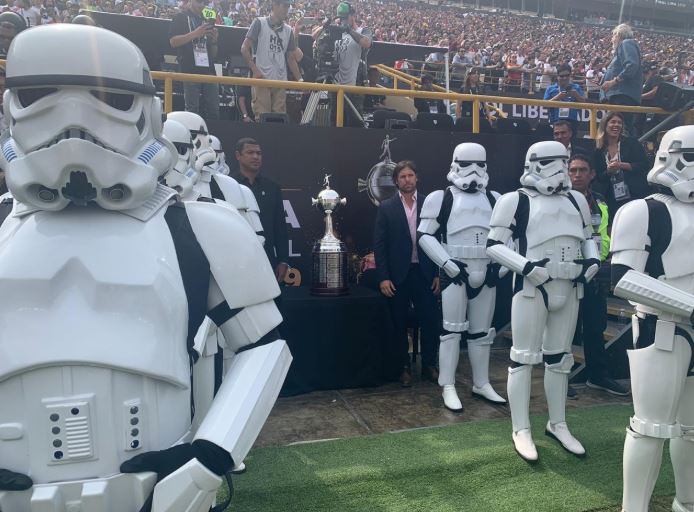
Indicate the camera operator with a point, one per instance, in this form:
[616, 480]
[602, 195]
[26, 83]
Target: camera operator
[348, 53]
[564, 90]
[195, 39]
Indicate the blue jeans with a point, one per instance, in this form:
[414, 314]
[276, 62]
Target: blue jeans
[208, 93]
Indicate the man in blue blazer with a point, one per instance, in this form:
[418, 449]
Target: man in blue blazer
[406, 275]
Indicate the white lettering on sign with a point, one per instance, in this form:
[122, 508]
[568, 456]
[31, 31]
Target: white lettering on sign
[293, 254]
[289, 215]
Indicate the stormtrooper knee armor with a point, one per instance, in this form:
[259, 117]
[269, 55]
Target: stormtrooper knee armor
[105, 278]
[553, 254]
[453, 233]
[651, 266]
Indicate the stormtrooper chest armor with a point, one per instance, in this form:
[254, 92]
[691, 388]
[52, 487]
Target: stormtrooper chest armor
[468, 225]
[677, 261]
[554, 230]
[93, 360]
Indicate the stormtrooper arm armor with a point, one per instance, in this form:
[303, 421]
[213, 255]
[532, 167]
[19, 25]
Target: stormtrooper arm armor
[499, 238]
[240, 303]
[427, 234]
[629, 247]
[589, 250]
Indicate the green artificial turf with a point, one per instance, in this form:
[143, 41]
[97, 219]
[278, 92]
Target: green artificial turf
[465, 467]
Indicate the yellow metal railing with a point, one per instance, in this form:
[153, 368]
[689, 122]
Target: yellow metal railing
[341, 90]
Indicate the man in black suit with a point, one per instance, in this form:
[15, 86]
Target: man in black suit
[563, 131]
[406, 274]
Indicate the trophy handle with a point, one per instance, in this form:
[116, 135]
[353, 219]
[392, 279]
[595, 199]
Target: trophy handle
[314, 202]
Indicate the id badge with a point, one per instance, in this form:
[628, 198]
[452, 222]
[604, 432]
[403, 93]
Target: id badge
[200, 55]
[621, 190]
[433, 108]
[564, 113]
[595, 220]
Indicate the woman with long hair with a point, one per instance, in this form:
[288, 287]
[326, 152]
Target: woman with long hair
[472, 85]
[621, 164]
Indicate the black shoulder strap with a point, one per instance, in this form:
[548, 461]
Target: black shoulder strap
[215, 191]
[521, 217]
[578, 208]
[5, 209]
[445, 212]
[490, 198]
[660, 234]
[195, 269]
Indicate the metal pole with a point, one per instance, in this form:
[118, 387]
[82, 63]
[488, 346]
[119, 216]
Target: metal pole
[340, 115]
[669, 118]
[621, 11]
[475, 116]
[593, 123]
[448, 81]
[168, 94]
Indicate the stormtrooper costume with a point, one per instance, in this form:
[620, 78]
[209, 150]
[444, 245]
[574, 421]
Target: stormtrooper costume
[210, 182]
[652, 267]
[453, 233]
[222, 166]
[554, 254]
[104, 280]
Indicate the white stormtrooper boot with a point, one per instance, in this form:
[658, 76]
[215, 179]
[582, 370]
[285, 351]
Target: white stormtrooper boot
[478, 352]
[556, 383]
[518, 389]
[449, 352]
[682, 456]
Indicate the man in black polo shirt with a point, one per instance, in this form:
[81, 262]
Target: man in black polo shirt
[269, 197]
[195, 40]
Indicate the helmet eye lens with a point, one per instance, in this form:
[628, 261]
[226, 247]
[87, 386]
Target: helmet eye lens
[31, 95]
[182, 147]
[545, 163]
[116, 100]
[688, 157]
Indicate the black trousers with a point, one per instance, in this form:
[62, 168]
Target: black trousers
[623, 99]
[591, 324]
[416, 290]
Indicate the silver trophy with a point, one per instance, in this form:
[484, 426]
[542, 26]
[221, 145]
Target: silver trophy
[329, 253]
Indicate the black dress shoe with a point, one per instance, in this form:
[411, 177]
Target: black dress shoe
[406, 378]
[430, 373]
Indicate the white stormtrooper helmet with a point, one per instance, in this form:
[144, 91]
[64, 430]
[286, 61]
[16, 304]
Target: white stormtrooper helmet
[546, 168]
[222, 166]
[674, 163]
[202, 142]
[469, 167]
[183, 176]
[85, 125]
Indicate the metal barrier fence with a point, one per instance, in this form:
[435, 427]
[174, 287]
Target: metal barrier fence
[340, 90]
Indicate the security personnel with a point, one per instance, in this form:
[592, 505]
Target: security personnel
[592, 318]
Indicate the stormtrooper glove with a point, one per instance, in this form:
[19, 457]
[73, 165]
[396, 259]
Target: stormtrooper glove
[590, 268]
[11, 481]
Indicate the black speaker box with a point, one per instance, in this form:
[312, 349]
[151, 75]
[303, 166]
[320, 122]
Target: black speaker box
[673, 96]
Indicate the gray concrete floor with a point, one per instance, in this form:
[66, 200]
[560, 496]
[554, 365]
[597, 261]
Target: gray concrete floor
[325, 415]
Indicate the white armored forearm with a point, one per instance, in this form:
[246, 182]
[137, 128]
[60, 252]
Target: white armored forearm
[644, 289]
[589, 250]
[433, 248]
[500, 252]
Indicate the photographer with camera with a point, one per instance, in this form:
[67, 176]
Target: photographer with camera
[564, 90]
[195, 39]
[273, 47]
[348, 52]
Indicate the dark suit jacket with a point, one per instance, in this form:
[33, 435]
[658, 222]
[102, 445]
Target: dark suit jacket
[631, 151]
[393, 244]
[582, 146]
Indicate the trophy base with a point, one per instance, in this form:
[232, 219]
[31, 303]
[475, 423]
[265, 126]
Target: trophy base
[329, 270]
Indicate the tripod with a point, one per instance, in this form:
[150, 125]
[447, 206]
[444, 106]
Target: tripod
[314, 99]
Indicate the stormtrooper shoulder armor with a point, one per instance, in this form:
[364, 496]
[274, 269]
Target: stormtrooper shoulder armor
[234, 253]
[231, 189]
[432, 205]
[503, 215]
[630, 227]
